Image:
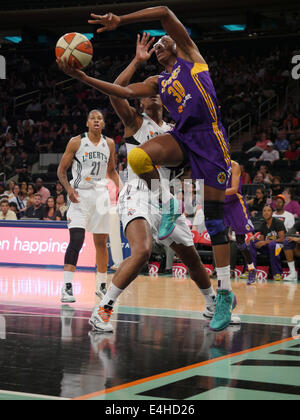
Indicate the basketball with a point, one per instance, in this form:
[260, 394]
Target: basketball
[76, 48]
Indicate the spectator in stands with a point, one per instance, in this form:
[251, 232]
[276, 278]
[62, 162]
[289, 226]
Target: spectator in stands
[59, 189]
[23, 167]
[272, 236]
[8, 161]
[19, 200]
[43, 191]
[61, 205]
[268, 177]
[34, 106]
[291, 123]
[258, 182]
[13, 207]
[49, 212]
[257, 204]
[291, 205]
[36, 210]
[5, 212]
[245, 177]
[286, 217]
[281, 144]
[276, 186]
[261, 144]
[270, 155]
[45, 143]
[31, 191]
[292, 153]
[10, 190]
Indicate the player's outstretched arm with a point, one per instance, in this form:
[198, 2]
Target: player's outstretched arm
[135, 91]
[127, 113]
[168, 19]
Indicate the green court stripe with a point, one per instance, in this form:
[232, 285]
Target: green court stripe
[13, 396]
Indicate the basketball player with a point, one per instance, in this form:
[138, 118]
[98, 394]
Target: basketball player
[139, 221]
[236, 216]
[92, 157]
[187, 91]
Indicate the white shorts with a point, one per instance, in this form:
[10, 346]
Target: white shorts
[92, 212]
[135, 203]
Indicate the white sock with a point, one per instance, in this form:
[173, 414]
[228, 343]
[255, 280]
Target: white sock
[101, 278]
[68, 277]
[223, 275]
[292, 267]
[111, 296]
[209, 296]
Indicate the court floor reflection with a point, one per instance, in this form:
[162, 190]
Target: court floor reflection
[53, 352]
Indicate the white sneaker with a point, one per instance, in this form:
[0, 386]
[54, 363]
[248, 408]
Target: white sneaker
[67, 294]
[100, 319]
[292, 277]
[102, 291]
[210, 311]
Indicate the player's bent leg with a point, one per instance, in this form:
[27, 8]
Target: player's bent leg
[77, 236]
[102, 257]
[243, 247]
[139, 236]
[163, 150]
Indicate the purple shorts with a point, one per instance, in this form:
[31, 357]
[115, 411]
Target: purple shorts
[236, 216]
[206, 149]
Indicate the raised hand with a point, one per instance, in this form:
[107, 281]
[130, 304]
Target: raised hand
[109, 22]
[143, 51]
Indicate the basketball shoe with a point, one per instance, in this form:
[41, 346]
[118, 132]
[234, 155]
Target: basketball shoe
[252, 277]
[100, 319]
[210, 311]
[102, 291]
[226, 303]
[170, 214]
[67, 293]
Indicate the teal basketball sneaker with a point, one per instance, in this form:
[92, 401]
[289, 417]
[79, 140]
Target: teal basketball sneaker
[226, 303]
[170, 213]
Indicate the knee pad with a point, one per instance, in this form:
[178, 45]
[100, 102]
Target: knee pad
[76, 242]
[214, 221]
[139, 161]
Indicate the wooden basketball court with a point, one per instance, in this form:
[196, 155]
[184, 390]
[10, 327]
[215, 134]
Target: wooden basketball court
[162, 348]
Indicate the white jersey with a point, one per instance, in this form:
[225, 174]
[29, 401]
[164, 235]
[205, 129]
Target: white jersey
[148, 131]
[90, 163]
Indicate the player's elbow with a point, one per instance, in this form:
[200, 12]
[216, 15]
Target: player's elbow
[165, 11]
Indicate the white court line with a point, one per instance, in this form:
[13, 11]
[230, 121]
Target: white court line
[24, 394]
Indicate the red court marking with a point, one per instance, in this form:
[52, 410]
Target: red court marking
[184, 369]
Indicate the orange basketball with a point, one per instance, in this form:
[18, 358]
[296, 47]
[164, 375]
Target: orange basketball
[76, 48]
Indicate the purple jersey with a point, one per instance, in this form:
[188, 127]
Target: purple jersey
[189, 96]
